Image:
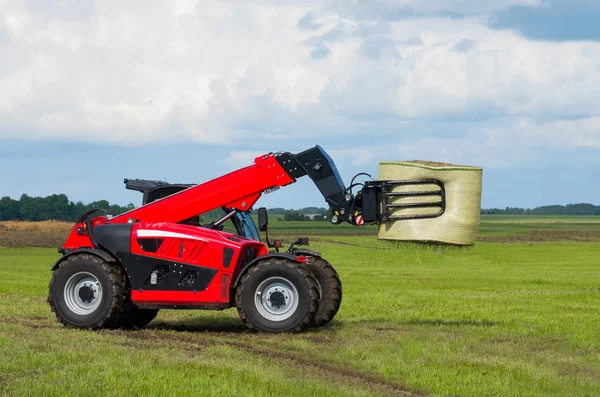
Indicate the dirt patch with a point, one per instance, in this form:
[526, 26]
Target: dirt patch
[386, 328]
[453, 323]
[333, 372]
[317, 339]
[545, 235]
[222, 328]
[29, 322]
[48, 234]
[45, 226]
[160, 337]
[20, 239]
[144, 340]
[37, 318]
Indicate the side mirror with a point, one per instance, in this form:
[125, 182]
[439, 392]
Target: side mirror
[263, 219]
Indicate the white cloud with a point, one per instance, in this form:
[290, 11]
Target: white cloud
[559, 135]
[138, 72]
[219, 72]
[526, 143]
[502, 74]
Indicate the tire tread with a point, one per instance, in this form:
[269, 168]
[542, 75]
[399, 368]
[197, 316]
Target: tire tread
[118, 283]
[331, 301]
[306, 273]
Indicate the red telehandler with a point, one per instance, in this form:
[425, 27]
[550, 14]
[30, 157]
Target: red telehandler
[117, 272]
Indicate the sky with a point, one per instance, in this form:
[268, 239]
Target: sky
[94, 91]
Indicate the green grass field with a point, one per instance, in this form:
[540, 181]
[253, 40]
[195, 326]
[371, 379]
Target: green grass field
[491, 225]
[517, 315]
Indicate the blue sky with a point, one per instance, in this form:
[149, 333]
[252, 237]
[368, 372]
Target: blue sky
[96, 91]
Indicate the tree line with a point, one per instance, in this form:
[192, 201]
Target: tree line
[569, 209]
[56, 207]
[59, 207]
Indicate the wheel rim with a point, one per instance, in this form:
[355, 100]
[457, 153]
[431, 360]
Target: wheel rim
[83, 293]
[276, 299]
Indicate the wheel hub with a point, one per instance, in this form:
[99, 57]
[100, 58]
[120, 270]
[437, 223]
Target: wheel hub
[83, 293]
[86, 293]
[276, 299]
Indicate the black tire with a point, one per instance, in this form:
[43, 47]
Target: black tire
[331, 290]
[109, 277]
[132, 317]
[306, 295]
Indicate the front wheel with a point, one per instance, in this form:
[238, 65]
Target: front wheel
[277, 295]
[87, 292]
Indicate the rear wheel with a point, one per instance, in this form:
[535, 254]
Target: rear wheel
[87, 292]
[277, 295]
[134, 317]
[331, 290]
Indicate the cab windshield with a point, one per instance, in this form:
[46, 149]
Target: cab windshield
[247, 227]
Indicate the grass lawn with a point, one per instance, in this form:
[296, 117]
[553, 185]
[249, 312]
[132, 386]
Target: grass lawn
[491, 225]
[501, 319]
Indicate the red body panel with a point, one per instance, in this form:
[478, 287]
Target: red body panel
[78, 238]
[201, 247]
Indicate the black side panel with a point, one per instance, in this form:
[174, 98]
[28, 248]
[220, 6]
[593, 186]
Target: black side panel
[150, 244]
[168, 275]
[116, 239]
[227, 256]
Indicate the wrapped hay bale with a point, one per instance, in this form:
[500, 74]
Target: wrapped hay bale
[457, 225]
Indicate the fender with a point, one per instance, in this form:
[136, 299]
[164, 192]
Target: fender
[261, 258]
[96, 252]
[307, 252]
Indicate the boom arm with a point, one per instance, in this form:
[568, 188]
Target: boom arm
[241, 189]
[237, 190]
[317, 164]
